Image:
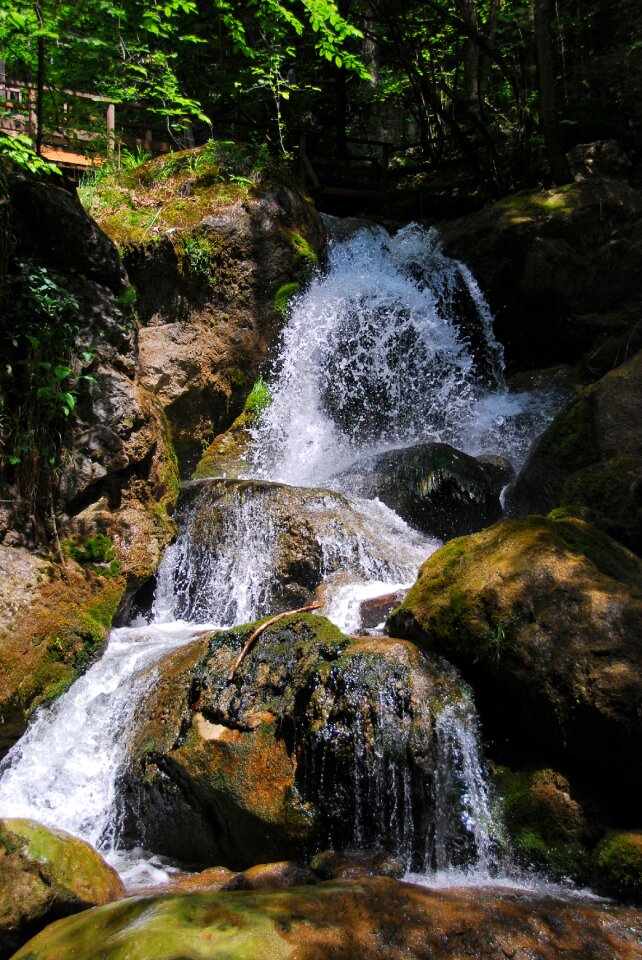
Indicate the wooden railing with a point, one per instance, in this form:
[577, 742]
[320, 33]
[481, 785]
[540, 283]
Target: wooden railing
[70, 138]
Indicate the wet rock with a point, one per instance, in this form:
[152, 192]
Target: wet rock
[44, 875]
[589, 460]
[373, 612]
[211, 881]
[356, 919]
[544, 618]
[356, 864]
[562, 260]
[548, 826]
[316, 735]
[228, 454]
[271, 876]
[433, 486]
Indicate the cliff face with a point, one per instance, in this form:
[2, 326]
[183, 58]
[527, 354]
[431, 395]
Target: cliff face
[157, 359]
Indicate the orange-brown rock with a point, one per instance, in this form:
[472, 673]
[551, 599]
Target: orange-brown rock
[350, 920]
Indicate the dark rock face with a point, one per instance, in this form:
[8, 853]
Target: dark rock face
[52, 226]
[358, 919]
[589, 460]
[433, 486]
[312, 738]
[44, 875]
[544, 618]
[558, 267]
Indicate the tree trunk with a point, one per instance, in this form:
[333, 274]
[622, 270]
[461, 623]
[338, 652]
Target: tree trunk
[546, 81]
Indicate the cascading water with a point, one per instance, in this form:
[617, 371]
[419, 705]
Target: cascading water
[391, 345]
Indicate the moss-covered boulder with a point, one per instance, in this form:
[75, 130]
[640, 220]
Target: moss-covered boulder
[433, 486]
[53, 623]
[544, 618]
[315, 736]
[617, 865]
[211, 238]
[548, 826]
[348, 919]
[44, 875]
[589, 460]
[558, 267]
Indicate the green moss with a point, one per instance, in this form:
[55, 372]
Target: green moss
[258, 400]
[304, 260]
[527, 205]
[618, 865]
[546, 826]
[283, 297]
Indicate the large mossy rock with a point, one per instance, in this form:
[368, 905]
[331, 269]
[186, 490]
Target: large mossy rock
[559, 267]
[45, 875]
[355, 920]
[209, 238]
[317, 736]
[589, 460]
[433, 486]
[544, 618]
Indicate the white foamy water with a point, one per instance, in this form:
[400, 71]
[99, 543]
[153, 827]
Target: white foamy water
[392, 345]
[63, 770]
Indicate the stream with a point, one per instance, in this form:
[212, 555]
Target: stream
[389, 346]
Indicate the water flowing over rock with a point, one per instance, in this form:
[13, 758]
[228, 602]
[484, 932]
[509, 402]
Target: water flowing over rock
[378, 353]
[249, 548]
[433, 486]
[318, 739]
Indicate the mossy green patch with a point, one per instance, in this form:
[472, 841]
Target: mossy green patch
[618, 864]
[546, 825]
[526, 205]
[283, 297]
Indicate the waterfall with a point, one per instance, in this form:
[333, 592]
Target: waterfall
[392, 344]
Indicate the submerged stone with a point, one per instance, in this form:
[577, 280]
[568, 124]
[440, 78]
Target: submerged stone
[358, 920]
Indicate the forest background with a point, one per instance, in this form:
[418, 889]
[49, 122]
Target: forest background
[482, 96]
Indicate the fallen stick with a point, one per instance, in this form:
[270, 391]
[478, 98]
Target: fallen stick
[259, 630]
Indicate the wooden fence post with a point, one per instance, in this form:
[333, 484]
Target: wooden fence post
[111, 127]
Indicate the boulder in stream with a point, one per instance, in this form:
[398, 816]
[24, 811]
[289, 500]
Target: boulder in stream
[433, 486]
[358, 919]
[544, 618]
[316, 737]
[46, 874]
